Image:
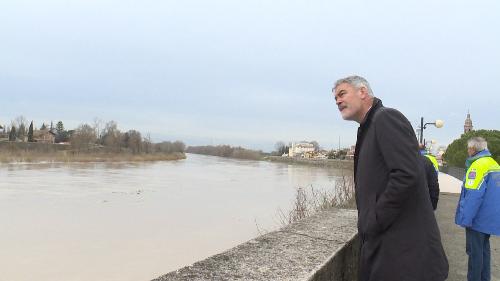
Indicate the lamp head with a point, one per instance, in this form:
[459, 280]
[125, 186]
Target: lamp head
[439, 123]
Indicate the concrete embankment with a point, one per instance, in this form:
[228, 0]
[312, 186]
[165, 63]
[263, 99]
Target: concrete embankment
[325, 247]
[331, 163]
[321, 247]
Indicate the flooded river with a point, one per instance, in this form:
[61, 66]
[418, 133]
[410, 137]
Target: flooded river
[137, 221]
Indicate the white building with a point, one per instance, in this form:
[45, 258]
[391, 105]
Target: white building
[298, 149]
[351, 152]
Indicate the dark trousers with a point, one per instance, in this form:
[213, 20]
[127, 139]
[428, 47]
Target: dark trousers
[477, 245]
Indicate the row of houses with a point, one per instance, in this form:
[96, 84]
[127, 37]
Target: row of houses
[42, 136]
[307, 150]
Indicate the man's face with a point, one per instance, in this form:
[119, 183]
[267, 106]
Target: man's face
[349, 102]
[470, 151]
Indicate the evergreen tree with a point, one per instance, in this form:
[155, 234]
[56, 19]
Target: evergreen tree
[60, 127]
[30, 133]
[456, 153]
[44, 127]
[12, 134]
[316, 145]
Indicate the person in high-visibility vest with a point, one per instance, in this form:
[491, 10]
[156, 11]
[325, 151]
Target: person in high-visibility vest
[431, 175]
[478, 208]
[434, 162]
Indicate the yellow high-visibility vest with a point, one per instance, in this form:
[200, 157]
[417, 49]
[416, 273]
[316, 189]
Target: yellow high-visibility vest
[434, 162]
[478, 171]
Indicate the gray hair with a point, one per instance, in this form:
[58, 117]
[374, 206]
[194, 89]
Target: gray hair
[477, 143]
[355, 81]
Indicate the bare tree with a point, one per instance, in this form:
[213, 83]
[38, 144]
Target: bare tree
[111, 136]
[98, 124]
[179, 146]
[134, 141]
[279, 146]
[83, 138]
[147, 144]
[20, 122]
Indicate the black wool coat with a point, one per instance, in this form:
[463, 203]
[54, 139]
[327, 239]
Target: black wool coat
[400, 239]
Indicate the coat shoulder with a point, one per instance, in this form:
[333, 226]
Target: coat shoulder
[387, 112]
[388, 117]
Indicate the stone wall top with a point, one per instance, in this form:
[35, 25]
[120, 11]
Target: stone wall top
[295, 252]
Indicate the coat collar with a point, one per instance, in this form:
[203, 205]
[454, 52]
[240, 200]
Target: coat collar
[480, 154]
[362, 129]
[377, 103]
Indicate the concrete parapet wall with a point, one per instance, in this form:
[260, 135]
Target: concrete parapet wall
[333, 163]
[341, 266]
[321, 247]
[456, 172]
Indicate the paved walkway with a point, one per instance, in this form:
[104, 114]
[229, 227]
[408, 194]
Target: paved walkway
[453, 236]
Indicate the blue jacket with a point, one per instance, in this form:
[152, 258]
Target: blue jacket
[479, 204]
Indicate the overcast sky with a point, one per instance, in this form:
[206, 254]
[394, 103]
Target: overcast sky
[247, 73]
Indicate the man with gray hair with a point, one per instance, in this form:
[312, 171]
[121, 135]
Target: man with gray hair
[399, 235]
[478, 208]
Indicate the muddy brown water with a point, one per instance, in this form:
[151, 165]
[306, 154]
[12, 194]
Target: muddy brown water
[136, 221]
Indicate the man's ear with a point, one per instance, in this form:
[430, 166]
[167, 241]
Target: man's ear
[364, 92]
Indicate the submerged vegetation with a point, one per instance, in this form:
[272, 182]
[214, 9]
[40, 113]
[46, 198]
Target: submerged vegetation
[310, 200]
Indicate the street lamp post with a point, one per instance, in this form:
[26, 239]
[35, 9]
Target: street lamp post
[438, 123]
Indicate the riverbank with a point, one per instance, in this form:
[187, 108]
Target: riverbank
[25, 152]
[226, 151]
[67, 156]
[331, 163]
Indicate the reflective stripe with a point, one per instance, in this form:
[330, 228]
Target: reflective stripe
[434, 162]
[478, 171]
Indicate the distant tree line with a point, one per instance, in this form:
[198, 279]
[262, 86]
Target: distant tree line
[280, 148]
[226, 151]
[337, 154]
[18, 129]
[108, 135]
[456, 153]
